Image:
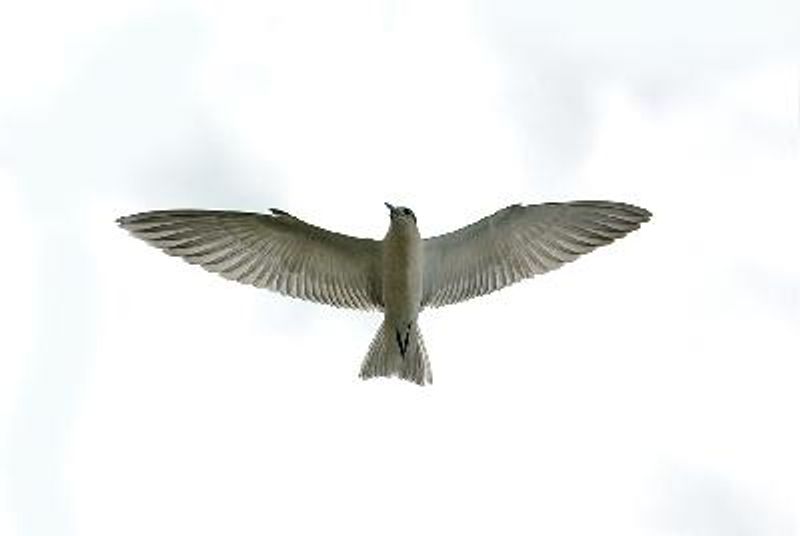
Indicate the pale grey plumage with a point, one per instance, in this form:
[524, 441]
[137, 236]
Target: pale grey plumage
[519, 242]
[400, 275]
[275, 251]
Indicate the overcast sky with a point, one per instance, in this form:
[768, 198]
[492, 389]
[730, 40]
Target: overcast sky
[647, 389]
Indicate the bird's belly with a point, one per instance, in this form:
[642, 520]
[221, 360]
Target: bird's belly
[402, 282]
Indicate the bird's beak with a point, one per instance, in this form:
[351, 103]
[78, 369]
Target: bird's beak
[390, 207]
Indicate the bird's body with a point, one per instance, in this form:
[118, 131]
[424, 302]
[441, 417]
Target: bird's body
[398, 344]
[400, 275]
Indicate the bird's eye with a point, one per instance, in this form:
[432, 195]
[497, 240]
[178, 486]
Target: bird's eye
[407, 212]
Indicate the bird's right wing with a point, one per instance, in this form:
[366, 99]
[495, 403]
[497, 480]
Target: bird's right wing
[275, 251]
[519, 242]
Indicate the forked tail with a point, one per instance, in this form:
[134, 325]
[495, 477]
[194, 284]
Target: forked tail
[392, 354]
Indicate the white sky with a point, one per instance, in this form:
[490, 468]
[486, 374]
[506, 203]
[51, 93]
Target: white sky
[648, 389]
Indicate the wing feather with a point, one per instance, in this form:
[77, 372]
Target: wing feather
[519, 242]
[275, 251]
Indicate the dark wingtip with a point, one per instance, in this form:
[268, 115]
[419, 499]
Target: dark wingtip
[279, 212]
[644, 213]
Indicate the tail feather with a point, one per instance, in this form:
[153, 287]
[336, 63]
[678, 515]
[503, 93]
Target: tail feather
[384, 357]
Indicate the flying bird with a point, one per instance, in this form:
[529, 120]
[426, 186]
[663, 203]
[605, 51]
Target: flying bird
[400, 275]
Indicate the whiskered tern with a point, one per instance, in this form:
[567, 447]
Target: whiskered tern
[399, 275]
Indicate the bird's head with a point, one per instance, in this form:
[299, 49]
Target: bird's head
[401, 215]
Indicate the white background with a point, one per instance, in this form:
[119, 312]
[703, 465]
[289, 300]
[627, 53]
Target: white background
[650, 388]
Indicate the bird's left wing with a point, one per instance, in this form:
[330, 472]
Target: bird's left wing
[518, 242]
[275, 251]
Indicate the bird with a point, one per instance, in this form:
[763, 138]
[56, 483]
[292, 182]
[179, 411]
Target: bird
[399, 276]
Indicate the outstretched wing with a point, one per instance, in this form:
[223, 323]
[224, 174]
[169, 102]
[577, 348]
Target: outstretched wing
[275, 251]
[518, 242]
